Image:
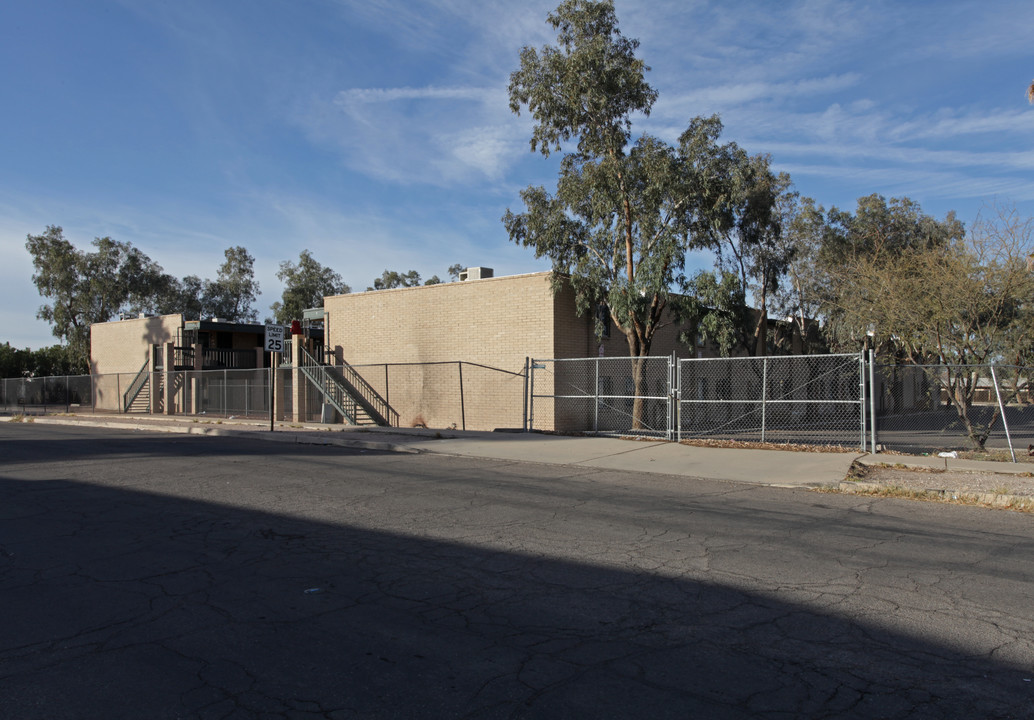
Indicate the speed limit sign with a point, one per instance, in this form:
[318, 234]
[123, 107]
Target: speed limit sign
[274, 338]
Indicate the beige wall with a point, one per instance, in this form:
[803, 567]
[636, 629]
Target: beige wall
[118, 350]
[122, 346]
[392, 337]
[495, 322]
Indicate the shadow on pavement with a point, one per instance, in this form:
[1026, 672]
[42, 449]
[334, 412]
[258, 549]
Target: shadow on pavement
[125, 604]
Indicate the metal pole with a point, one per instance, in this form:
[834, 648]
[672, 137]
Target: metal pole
[463, 410]
[764, 393]
[596, 403]
[524, 414]
[531, 395]
[670, 435]
[272, 385]
[678, 400]
[872, 400]
[224, 392]
[1001, 407]
[861, 397]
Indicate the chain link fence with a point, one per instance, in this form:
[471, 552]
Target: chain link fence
[802, 399]
[805, 399]
[814, 399]
[454, 394]
[611, 396]
[64, 393]
[450, 394]
[928, 408]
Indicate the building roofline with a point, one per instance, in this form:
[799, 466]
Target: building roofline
[497, 278]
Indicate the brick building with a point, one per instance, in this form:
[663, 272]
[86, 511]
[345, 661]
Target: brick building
[446, 355]
[408, 344]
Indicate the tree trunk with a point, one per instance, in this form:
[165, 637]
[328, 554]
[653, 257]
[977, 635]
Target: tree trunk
[637, 348]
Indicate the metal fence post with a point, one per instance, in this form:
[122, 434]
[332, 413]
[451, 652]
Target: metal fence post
[596, 400]
[872, 400]
[764, 394]
[1001, 407]
[670, 431]
[527, 371]
[463, 409]
[861, 398]
[531, 395]
[678, 400]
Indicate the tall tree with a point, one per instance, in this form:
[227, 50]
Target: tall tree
[878, 234]
[799, 297]
[391, 279]
[305, 286]
[232, 294]
[623, 217]
[957, 303]
[88, 287]
[751, 243]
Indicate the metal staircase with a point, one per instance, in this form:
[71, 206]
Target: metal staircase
[131, 398]
[347, 392]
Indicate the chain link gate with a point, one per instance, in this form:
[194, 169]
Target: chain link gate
[809, 399]
[604, 395]
[802, 399]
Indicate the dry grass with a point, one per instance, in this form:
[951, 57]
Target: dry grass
[789, 447]
[937, 485]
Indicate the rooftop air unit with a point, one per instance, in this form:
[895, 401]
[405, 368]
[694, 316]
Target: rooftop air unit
[476, 273]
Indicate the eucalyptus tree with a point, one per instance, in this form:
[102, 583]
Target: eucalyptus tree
[232, 294]
[625, 214]
[305, 286]
[799, 296]
[83, 288]
[391, 279]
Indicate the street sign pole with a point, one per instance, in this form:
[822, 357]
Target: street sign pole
[274, 344]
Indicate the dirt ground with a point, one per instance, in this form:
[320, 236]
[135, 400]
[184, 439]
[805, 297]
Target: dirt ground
[991, 489]
[1005, 490]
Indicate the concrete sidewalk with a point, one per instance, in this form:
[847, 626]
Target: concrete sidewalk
[780, 468]
[763, 467]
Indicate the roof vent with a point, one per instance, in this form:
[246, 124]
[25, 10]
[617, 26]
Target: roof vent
[476, 273]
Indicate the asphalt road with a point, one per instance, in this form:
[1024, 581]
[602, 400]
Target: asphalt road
[159, 576]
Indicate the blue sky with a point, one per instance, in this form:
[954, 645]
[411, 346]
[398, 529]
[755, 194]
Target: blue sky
[377, 134]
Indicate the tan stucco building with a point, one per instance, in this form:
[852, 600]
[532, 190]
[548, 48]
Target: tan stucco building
[447, 355]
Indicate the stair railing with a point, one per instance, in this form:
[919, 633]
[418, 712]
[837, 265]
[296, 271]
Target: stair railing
[129, 397]
[351, 383]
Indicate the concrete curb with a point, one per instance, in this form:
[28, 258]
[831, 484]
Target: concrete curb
[992, 499]
[283, 436]
[935, 463]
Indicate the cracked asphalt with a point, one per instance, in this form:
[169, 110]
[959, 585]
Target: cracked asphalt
[161, 576]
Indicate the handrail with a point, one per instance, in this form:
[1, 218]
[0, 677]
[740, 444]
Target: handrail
[331, 389]
[378, 403]
[129, 397]
[228, 358]
[184, 356]
[355, 386]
